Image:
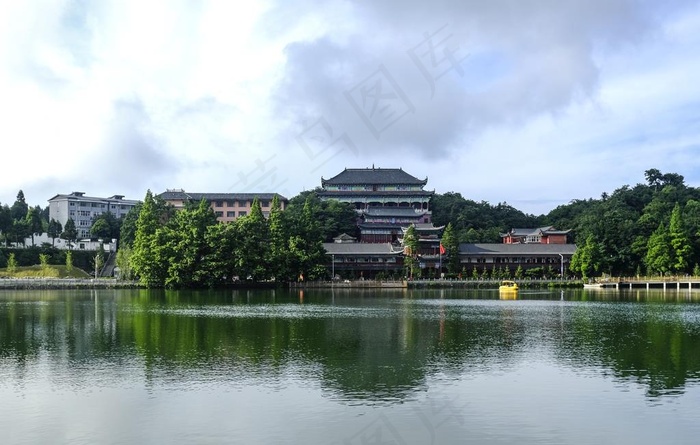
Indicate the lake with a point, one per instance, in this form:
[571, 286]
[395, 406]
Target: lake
[349, 367]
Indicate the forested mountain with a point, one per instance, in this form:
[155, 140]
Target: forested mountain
[636, 229]
[478, 222]
[632, 230]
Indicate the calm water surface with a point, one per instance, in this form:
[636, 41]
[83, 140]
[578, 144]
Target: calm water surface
[349, 367]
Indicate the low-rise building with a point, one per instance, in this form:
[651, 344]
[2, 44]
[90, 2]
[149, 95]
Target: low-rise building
[83, 209]
[227, 206]
[350, 259]
[539, 235]
[491, 256]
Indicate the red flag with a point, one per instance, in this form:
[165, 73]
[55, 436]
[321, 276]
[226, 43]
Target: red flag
[442, 249]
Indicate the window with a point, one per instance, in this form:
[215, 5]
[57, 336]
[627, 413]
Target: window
[219, 204]
[72, 204]
[219, 214]
[122, 206]
[94, 204]
[265, 203]
[242, 213]
[230, 214]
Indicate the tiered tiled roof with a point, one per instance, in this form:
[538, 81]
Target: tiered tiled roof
[355, 176]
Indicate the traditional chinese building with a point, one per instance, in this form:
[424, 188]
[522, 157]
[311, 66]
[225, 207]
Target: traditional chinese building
[350, 259]
[387, 200]
[491, 256]
[377, 187]
[540, 235]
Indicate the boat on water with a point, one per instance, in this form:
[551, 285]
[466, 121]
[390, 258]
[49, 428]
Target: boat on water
[508, 286]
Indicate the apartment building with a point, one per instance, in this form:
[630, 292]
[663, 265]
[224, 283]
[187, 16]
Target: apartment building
[83, 209]
[226, 206]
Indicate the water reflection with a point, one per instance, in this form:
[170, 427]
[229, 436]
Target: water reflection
[357, 345]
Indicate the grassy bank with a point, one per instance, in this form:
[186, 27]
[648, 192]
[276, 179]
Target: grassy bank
[51, 271]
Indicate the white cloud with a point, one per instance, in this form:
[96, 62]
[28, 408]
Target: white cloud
[554, 103]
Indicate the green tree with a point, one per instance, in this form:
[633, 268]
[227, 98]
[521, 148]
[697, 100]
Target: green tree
[188, 248]
[44, 260]
[223, 249]
[278, 252]
[451, 246]
[99, 260]
[680, 241]
[587, 260]
[254, 246]
[5, 222]
[127, 234]
[20, 208]
[11, 264]
[410, 250]
[69, 261]
[108, 226]
[21, 230]
[519, 272]
[148, 260]
[34, 223]
[659, 258]
[123, 263]
[101, 229]
[54, 230]
[70, 233]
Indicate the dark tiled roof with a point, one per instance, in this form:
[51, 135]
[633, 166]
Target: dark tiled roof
[360, 249]
[344, 237]
[546, 230]
[111, 199]
[516, 249]
[182, 195]
[373, 176]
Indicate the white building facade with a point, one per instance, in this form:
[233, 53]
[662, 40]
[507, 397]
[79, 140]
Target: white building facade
[83, 209]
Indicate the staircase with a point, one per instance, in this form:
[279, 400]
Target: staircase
[110, 263]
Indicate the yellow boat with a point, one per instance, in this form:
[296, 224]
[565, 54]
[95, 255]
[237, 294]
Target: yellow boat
[508, 286]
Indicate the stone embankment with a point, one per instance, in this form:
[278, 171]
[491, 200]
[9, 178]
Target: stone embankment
[65, 283]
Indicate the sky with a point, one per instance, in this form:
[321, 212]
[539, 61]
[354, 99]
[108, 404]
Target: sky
[534, 103]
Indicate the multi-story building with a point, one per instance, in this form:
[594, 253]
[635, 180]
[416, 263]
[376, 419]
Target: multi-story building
[376, 187]
[83, 209]
[540, 235]
[226, 206]
[387, 201]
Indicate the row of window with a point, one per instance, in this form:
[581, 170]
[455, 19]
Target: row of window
[239, 203]
[102, 206]
[514, 260]
[230, 214]
[364, 260]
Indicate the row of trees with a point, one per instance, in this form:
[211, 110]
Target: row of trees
[650, 228]
[189, 248]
